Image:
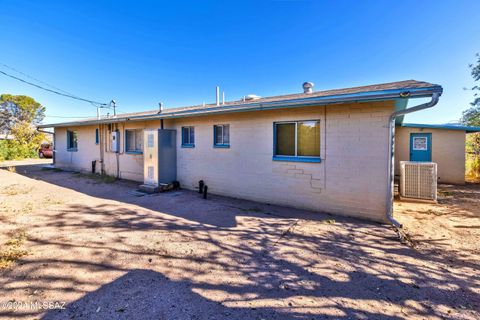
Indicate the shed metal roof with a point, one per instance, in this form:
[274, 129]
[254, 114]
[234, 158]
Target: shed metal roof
[386, 91]
[468, 129]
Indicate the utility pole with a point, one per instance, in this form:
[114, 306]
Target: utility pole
[113, 103]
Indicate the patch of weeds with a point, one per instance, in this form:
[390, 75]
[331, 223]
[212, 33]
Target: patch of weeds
[329, 221]
[12, 249]
[12, 169]
[445, 194]
[52, 169]
[14, 189]
[96, 177]
[50, 200]
[107, 179]
[432, 212]
[27, 208]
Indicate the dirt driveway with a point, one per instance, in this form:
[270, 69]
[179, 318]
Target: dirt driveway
[108, 254]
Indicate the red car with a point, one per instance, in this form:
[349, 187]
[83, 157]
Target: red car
[45, 151]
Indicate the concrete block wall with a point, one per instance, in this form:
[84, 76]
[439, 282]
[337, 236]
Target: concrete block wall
[448, 151]
[87, 150]
[351, 178]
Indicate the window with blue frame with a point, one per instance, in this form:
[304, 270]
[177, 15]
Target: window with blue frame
[221, 136]
[72, 140]
[297, 141]
[188, 137]
[134, 140]
[97, 136]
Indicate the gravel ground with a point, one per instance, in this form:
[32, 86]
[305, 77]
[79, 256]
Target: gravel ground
[108, 254]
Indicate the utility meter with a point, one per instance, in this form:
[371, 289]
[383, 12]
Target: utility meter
[115, 141]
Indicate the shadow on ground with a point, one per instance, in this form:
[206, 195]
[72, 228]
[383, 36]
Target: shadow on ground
[175, 256]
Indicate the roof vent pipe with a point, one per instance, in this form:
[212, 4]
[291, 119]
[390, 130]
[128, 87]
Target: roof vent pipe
[223, 98]
[160, 107]
[308, 87]
[217, 95]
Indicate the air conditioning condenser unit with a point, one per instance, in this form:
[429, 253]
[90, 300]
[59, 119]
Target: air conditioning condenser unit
[418, 180]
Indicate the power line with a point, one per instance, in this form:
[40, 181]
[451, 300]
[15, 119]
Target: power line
[53, 91]
[68, 117]
[35, 79]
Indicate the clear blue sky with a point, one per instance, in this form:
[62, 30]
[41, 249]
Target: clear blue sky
[176, 52]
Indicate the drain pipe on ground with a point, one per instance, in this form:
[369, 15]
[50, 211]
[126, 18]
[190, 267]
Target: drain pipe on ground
[391, 147]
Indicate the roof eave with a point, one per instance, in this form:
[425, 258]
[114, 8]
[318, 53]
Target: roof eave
[467, 129]
[404, 93]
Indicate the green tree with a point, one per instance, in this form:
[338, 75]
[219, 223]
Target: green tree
[471, 117]
[15, 109]
[19, 116]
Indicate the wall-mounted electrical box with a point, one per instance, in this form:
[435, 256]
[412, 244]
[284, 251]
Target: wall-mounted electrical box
[159, 156]
[115, 141]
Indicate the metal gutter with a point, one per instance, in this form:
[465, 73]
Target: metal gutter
[391, 148]
[269, 105]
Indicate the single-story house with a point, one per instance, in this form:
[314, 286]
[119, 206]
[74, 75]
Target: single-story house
[329, 151]
[443, 144]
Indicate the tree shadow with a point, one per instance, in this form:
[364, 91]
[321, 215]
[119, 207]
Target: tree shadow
[258, 263]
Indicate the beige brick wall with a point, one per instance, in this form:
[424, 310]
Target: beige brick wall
[350, 180]
[448, 151]
[87, 149]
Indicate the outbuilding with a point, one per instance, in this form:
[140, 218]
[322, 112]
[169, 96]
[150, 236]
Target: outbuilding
[329, 151]
[443, 144]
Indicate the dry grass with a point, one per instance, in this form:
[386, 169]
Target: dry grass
[12, 169]
[52, 200]
[15, 189]
[12, 249]
[96, 177]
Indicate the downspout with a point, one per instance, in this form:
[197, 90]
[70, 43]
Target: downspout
[101, 143]
[391, 147]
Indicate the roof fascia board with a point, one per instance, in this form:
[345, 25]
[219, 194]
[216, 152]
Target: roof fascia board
[310, 101]
[468, 129]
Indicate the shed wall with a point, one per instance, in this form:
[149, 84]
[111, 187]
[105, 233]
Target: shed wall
[448, 151]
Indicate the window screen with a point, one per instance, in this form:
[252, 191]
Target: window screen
[298, 138]
[134, 140]
[72, 140]
[222, 135]
[188, 136]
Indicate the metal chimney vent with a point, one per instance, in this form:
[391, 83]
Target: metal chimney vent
[252, 97]
[308, 87]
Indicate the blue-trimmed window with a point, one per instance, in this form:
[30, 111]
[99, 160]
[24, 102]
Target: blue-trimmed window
[188, 137]
[97, 136]
[72, 140]
[221, 136]
[134, 141]
[297, 141]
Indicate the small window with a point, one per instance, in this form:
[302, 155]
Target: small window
[420, 143]
[97, 136]
[72, 140]
[221, 136]
[188, 137]
[297, 141]
[134, 141]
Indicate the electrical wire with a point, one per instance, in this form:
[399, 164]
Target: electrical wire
[68, 117]
[35, 79]
[54, 91]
